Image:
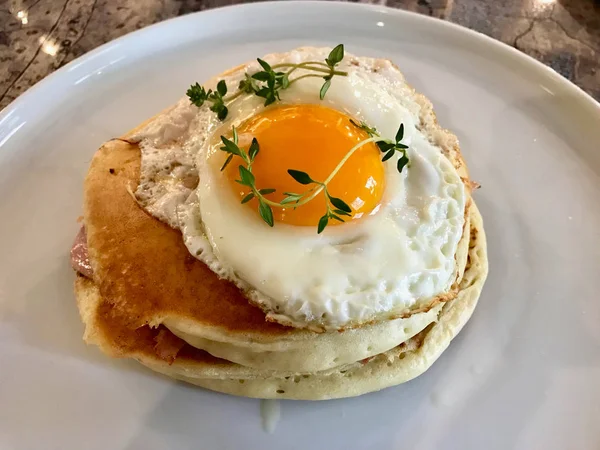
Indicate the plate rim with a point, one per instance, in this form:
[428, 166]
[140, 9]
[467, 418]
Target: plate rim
[44, 88]
[510, 54]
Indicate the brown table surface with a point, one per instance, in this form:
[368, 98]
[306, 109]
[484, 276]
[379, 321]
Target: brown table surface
[39, 36]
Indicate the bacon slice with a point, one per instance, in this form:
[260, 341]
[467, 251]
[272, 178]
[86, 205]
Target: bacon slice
[80, 259]
[167, 345]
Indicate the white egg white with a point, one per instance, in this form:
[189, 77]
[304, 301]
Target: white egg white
[392, 260]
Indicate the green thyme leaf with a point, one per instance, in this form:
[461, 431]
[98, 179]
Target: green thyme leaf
[388, 155]
[227, 161]
[402, 161]
[265, 65]
[265, 212]
[340, 204]
[248, 197]
[246, 177]
[333, 216]
[323, 221]
[222, 87]
[268, 94]
[343, 213]
[270, 99]
[230, 147]
[263, 92]
[218, 104]
[285, 81]
[400, 133]
[197, 94]
[266, 191]
[324, 89]
[300, 177]
[291, 198]
[235, 135]
[261, 76]
[385, 146]
[248, 85]
[254, 149]
[335, 56]
[220, 109]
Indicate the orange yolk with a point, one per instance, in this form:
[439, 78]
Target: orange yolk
[312, 139]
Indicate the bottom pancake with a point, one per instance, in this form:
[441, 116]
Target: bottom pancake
[108, 329]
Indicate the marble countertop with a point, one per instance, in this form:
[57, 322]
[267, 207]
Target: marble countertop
[39, 36]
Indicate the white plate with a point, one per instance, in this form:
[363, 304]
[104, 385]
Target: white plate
[523, 374]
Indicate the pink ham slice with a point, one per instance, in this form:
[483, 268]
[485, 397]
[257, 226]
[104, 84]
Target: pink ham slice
[167, 345]
[80, 259]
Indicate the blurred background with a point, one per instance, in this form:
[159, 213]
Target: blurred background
[39, 36]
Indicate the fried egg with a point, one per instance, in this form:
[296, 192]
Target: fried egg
[396, 252]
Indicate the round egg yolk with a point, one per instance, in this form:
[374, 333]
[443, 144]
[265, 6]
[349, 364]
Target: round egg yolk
[312, 139]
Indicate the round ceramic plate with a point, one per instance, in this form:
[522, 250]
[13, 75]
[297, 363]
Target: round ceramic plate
[524, 372]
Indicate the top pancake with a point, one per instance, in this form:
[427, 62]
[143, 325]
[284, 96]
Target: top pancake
[142, 266]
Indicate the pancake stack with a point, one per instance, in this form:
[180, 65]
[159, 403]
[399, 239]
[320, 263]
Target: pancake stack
[142, 295]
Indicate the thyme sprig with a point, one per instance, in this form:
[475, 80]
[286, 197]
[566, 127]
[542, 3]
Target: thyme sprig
[198, 95]
[337, 209]
[366, 128]
[246, 176]
[387, 146]
[268, 82]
